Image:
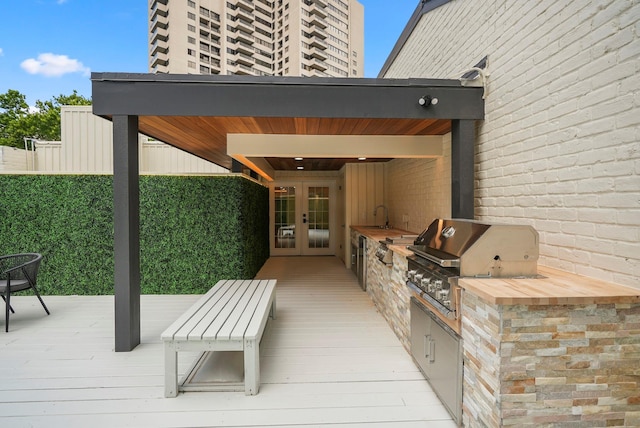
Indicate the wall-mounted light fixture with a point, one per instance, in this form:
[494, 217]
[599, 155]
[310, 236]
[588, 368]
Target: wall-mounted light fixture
[427, 100]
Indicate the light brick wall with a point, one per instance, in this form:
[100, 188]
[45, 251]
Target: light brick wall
[559, 148]
[421, 199]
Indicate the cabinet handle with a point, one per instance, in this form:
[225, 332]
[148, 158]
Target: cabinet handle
[432, 351]
[427, 346]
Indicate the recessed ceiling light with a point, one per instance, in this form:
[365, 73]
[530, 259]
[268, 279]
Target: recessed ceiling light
[298, 159]
[300, 167]
[362, 158]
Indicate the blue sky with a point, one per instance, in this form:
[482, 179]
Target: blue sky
[49, 47]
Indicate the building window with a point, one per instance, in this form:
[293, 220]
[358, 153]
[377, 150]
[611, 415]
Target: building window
[191, 28]
[191, 3]
[191, 52]
[191, 15]
[191, 40]
[191, 64]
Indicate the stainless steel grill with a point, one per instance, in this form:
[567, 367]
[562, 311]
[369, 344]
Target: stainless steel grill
[450, 249]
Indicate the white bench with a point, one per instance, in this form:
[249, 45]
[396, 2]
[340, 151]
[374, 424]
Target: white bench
[231, 317]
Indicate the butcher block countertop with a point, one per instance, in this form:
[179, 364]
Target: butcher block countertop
[554, 287]
[378, 234]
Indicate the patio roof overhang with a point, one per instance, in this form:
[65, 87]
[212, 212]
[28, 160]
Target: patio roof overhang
[202, 114]
[198, 113]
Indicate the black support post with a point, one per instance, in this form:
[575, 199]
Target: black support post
[463, 137]
[126, 207]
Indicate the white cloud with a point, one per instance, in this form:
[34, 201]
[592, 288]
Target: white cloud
[1, 52]
[52, 65]
[61, 1]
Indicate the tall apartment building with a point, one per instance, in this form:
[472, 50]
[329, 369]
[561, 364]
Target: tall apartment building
[257, 37]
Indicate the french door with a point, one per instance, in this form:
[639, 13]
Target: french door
[302, 218]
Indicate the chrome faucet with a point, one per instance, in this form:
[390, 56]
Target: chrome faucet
[386, 214]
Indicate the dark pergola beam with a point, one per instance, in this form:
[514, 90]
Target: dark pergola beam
[126, 207]
[250, 96]
[463, 138]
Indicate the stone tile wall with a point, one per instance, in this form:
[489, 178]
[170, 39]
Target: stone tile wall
[387, 288]
[561, 366]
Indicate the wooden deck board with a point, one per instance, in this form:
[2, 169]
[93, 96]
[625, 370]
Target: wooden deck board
[327, 359]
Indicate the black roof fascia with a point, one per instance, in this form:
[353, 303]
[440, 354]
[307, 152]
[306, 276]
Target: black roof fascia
[423, 7]
[269, 96]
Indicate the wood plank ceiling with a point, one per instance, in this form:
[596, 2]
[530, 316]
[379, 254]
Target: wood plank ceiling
[206, 137]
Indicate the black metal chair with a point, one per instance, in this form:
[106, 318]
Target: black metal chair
[18, 272]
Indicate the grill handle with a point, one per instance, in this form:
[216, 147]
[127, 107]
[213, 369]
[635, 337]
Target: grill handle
[454, 263]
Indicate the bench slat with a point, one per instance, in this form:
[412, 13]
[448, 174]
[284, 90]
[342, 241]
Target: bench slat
[258, 300]
[228, 313]
[258, 323]
[225, 331]
[209, 314]
[169, 332]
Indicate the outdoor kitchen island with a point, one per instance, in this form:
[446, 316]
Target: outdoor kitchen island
[557, 349]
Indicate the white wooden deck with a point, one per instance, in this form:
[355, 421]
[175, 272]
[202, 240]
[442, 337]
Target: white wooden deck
[329, 359]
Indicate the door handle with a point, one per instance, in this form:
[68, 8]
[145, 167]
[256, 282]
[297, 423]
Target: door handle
[427, 347]
[304, 218]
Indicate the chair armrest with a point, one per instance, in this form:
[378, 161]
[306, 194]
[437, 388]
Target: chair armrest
[36, 258]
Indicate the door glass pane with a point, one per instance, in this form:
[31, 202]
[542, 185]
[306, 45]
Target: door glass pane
[318, 208]
[285, 216]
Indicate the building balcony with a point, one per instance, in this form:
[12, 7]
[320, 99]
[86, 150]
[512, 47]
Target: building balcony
[159, 48]
[244, 69]
[318, 22]
[160, 34]
[318, 53]
[245, 4]
[243, 14]
[245, 37]
[244, 59]
[320, 3]
[319, 32]
[159, 59]
[317, 42]
[317, 64]
[243, 47]
[318, 73]
[215, 66]
[159, 9]
[242, 25]
[159, 23]
[314, 9]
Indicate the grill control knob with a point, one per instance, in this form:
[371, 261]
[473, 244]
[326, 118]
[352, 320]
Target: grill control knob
[418, 277]
[443, 294]
[432, 286]
[437, 284]
[411, 274]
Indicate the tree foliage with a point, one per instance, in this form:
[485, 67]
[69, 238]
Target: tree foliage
[18, 122]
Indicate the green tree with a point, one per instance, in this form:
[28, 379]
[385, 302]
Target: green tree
[16, 122]
[14, 119]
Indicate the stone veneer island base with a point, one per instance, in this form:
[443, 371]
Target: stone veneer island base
[561, 351]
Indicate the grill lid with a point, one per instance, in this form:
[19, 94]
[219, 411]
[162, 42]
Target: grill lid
[450, 238]
[478, 249]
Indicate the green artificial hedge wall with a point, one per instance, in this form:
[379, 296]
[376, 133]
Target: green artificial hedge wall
[194, 230]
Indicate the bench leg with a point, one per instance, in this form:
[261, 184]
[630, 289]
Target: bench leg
[170, 370]
[272, 313]
[251, 367]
